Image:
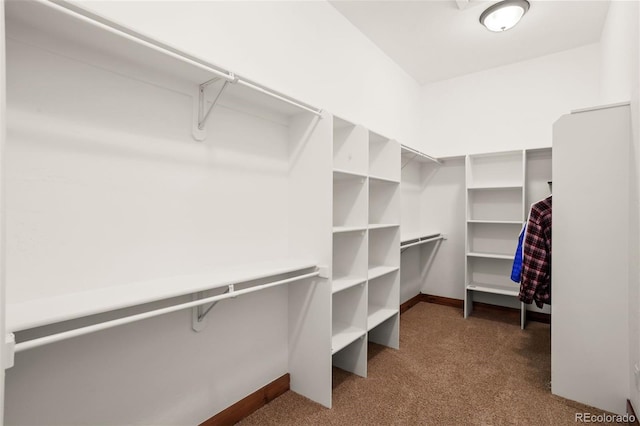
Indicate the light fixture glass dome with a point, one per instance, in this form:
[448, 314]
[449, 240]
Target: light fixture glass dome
[504, 15]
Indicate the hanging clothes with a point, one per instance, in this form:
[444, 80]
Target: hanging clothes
[535, 285]
[516, 270]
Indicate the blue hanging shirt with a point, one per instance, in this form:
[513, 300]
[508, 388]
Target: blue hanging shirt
[516, 271]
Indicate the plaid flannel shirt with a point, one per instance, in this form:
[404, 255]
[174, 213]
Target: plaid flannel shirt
[536, 253]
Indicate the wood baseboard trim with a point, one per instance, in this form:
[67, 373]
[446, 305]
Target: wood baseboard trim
[243, 408]
[458, 303]
[632, 412]
[411, 303]
[446, 301]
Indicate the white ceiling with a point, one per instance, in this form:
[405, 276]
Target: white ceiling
[435, 39]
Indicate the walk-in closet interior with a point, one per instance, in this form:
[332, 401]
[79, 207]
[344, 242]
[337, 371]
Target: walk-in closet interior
[206, 204]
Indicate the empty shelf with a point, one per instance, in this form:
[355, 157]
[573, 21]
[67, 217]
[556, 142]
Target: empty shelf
[492, 255]
[38, 312]
[342, 229]
[342, 175]
[492, 187]
[378, 271]
[345, 283]
[495, 289]
[383, 179]
[383, 225]
[378, 315]
[498, 222]
[344, 335]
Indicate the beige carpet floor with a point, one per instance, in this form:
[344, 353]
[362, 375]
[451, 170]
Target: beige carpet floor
[448, 371]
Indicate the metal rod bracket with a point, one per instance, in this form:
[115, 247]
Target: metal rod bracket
[199, 313]
[200, 109]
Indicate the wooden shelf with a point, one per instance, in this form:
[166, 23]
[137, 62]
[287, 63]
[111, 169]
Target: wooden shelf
[345, 283]
[378, 315]
[495, 289]
[39, 312]
[379, 271]
[344, 335]
[492, 255]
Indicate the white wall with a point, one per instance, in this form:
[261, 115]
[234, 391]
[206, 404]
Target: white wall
[105, 196]
[620, 52]
[2, 227]
[443, 210]
[510, 107]
[410, 191]
[305, 49]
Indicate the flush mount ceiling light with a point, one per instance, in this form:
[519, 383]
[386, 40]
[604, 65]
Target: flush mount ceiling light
[504, 15]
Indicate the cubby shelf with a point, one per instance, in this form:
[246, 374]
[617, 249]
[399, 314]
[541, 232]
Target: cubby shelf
[346, 282]
[383, 179]
[491, 256]
[497, 222]
[493, 187]
[339, 175]
[378, 271]
[366, 243]
[383, 225]
[495, 289]
[378, 315]
[344, 335]
[343, 229]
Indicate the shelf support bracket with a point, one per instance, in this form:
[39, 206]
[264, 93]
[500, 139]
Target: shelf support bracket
[203, 116]
[199, 313]
[9, 350]
[203, 112]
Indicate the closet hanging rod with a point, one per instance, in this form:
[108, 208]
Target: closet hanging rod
[255, 86]
[421, 241]
[29, 344]
[119, 30]
[421, 154]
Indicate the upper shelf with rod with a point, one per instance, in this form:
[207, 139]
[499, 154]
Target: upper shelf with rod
[419, 240]
[39, 312]
[410, 154]
[63, 27]
[46, 311]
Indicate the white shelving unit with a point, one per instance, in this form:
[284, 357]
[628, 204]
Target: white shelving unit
[383, 317]
[350, 249]
[495, 200]
[366, 244]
